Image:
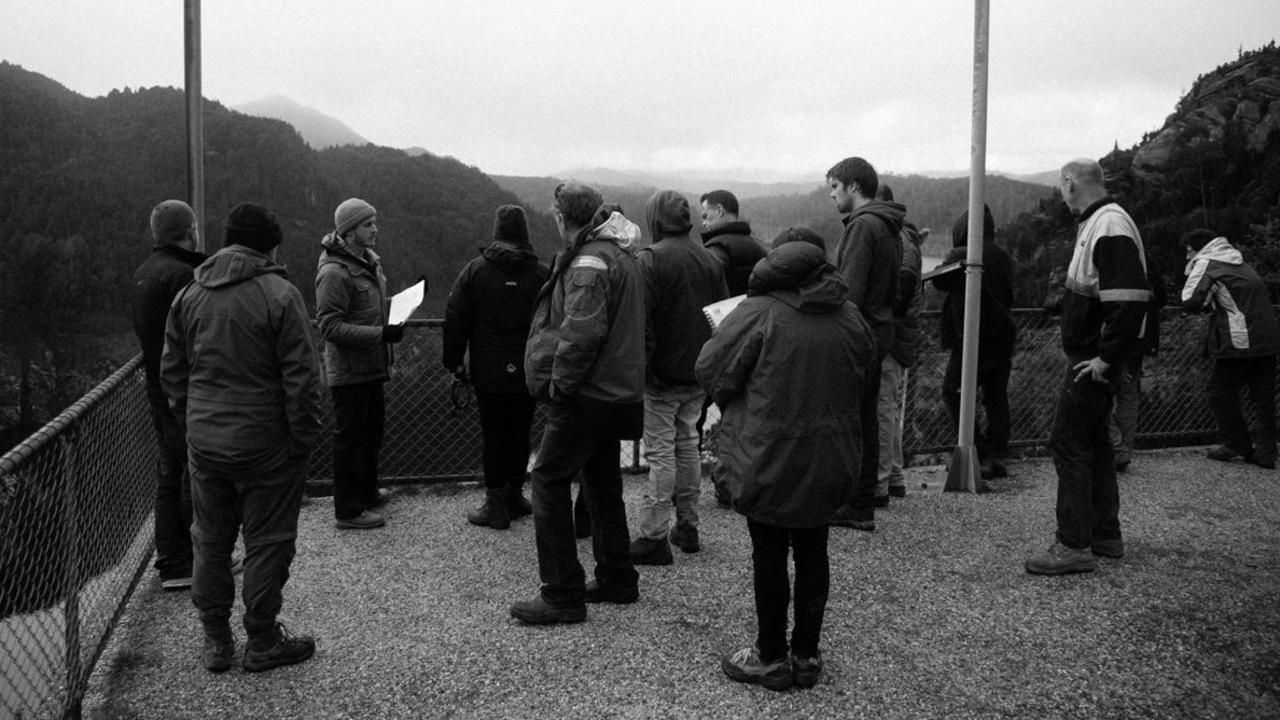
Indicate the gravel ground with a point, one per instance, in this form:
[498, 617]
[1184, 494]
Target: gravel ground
[931, 616]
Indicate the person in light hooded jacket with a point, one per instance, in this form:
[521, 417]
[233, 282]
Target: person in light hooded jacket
[789, 367]
[1243, 338]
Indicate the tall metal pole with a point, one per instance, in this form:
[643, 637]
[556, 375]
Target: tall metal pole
[195, 119]
[963, 472]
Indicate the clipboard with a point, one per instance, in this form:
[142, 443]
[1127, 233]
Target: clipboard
[406, 302]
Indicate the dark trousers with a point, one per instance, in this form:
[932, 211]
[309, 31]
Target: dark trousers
[266, 505]
[505, 421]
[173, 492]
[581, 435]
[769, 545]
[864, 491]
[1088, 507]
[994, 366]
[1229, 376]
[359, 420]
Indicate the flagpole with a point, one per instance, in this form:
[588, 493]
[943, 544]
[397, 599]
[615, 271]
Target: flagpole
[195, 118]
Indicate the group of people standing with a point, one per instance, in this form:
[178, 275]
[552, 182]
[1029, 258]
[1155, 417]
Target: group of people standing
[808, 370]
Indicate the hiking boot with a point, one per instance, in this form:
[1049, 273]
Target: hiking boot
[1111, 548]
[685, 537]
[898, 491]
[650, 551]
[1061, 560]
[1222, 453]
[219, 649]
[846, 516]
[517, 505]
[616, 594]
[540, 612]
[745, 666]
[493, 513]
[366, 520]
[806, 670]
[276, 649]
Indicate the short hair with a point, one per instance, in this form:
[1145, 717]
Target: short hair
[800, 234]
[723, 198]
[855, 170]
[884, 192]
[577, 202]
[1198, 238]
[1086, 172]
[170, 221]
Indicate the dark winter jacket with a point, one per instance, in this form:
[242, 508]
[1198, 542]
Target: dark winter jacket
[488, 314]
[868, 257]
[155, 283]
[680, 278]
[351, 311]
[240, 365]
[788, 368]
[1244, 322]
[906, 311]
[997, 331]
[733, 246]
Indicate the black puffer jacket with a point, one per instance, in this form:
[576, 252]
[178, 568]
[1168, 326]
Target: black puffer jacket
[737, 251]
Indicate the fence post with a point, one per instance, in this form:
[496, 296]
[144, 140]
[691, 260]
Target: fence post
[72, 700]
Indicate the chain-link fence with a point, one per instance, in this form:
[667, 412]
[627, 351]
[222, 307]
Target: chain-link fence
[76, 498]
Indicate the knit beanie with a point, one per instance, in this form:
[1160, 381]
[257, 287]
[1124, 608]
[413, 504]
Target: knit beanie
[170, 221]
[351, 213]
[509, 225]
[253, 226]
[787, 266]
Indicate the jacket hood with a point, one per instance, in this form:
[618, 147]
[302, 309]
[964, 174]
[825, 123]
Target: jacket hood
[334, 244]
[666, 214]
[893, 214]
[235, 264]
[798, 274]
[618, 230]
[1219, 249]
[733, 227]
[509, 255]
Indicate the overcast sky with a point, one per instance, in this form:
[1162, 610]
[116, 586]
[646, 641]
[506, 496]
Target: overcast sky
[787, 87]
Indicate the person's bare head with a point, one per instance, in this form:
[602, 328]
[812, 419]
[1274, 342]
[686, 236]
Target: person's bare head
[1081, 183]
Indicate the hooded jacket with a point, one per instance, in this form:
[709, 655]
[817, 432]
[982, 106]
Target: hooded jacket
[737, 252]
[240, 365]
[868, 257]
[788, 367]
[906, 311]
[351, 312]
[488, 314]
[1244, 323]
[587, 334]
[997, 330]
[680, 278]
[156, 282]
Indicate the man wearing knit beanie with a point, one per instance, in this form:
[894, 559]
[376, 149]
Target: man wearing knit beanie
[351, 311]
[249, 394]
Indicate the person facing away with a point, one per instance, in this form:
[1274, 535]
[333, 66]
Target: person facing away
[1105, 299]
[242, 374]
[585, 359]
[680, 278]
[788, 367]
[868, 257]
[1123, 428]
[729, 239]
[487, 320]
[156, 282]
[997, 336]
[351, 312]
[1243, 338]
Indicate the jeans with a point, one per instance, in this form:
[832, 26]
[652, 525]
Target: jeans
[359, 419]
[1124, 416]
[1259, 375]
[891, 403]
[769, 545]
[994, 366]
[581, 435]
[1088, 507]
[173, 492]
[505, 421]
[671, 449]
[266, 505]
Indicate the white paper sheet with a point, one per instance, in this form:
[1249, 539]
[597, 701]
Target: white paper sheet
[405, 302]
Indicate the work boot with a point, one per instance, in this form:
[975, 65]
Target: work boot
[1110, 548]
[1222, 453]
[1061, 560]
[366, 520]
[277, 648]
[685, 537]
[493, 513]
[219, 648]
[616, 594]
[806, 670]
[745, 666]
[517, 505]
[650, 551]
[846, 516]
[540, 612]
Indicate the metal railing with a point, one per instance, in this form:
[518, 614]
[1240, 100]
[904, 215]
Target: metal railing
[76, 498]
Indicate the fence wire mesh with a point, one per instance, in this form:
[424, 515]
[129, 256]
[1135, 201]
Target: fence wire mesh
[76, 498]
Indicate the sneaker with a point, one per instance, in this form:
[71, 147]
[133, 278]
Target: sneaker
[1111, 548]
[1061, 560]
[218, 652]
[745, 666]
[540, 612]
[618, 595]
[277, 649]
[176, 583]
[1223, 453]
[364, 521]
[651, 551]
[806, 670]
[846, 516]
[685, 537]
[898, 491]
